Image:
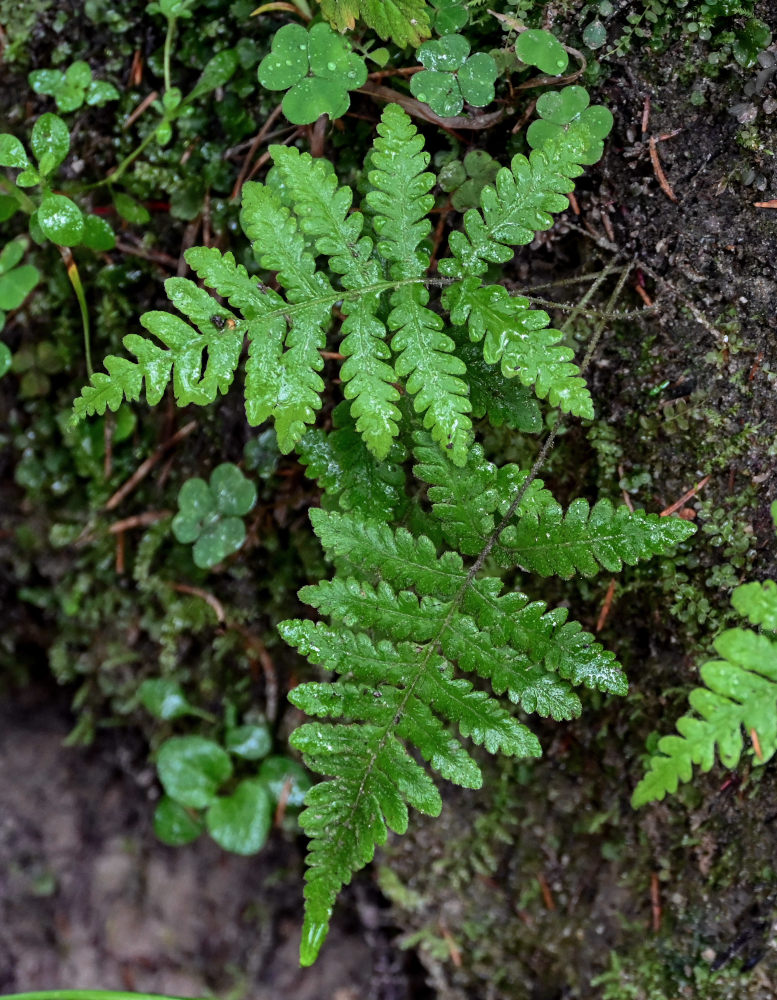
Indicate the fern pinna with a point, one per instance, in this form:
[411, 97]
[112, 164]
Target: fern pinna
[413, 511]
[740, 693]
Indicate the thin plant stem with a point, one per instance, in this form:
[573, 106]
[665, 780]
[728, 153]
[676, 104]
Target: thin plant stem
[75, 280]
[171, 23]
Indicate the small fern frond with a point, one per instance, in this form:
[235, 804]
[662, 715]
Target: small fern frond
[758, 603]
[401, 202]
[519, 338]
[740, 693]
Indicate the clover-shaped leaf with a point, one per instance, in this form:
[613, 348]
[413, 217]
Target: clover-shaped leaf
[540, 48]
[558, 109]
[452, 76]
[317, 67]
[465, 181]
[210, 514]
[71, 88]
[250, 741]
[164, 698]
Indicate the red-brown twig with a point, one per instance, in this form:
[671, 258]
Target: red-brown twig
[258, 140]
[210, 599]
[602, 619]
[659, 170]
[686, 496]
[655, 902]
[147, 101]
[137, 521]
[145, 467]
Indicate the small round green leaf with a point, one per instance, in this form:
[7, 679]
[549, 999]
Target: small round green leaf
[218, 71]
[750, 41]
[46, 81]
[50, 141]
[287, 62]
[173, 824]
[98, 234]
[12, 152]
[100, 92]
[313, 97]
[476, 79]
[78, 74]
[446, 55]
[452, 175]
[164, 698]
[541, 49]
[562, 106]
[540, 131]
[68, 99]
[218, 541]
[598, 120]
[16, 285]
[11, 254]
[451, 17]
[61, 220]
[285, 778]
[164, 132]
[195, 499]
[232, 492]
[331, 58]
[252, 742]
[439, 90]
[241, 822]
[5, 355]
[129, 209]
[595, 35]
[192, 769]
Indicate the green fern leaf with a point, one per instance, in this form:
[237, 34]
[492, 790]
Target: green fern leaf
[740, 693]
[405, 22]
[401, 201]
[550, 542]
[519, 338]
[758, 602]
[323, 209]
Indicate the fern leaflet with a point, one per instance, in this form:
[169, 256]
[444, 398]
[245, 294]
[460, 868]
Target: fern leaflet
[740, 693]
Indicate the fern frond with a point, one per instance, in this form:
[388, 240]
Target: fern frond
[405, 22]
[503, 400]
[549, 542]
[323, 207]
[740, 693]
[758, 603]
[401, 201]
[519, 338]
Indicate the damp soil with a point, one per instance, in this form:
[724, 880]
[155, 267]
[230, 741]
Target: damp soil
[90, 899]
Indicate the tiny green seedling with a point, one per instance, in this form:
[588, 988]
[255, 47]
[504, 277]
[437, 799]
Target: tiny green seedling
[316, 67]
[73, 87]
[55, 217]
[452, 76]
[210, 514]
